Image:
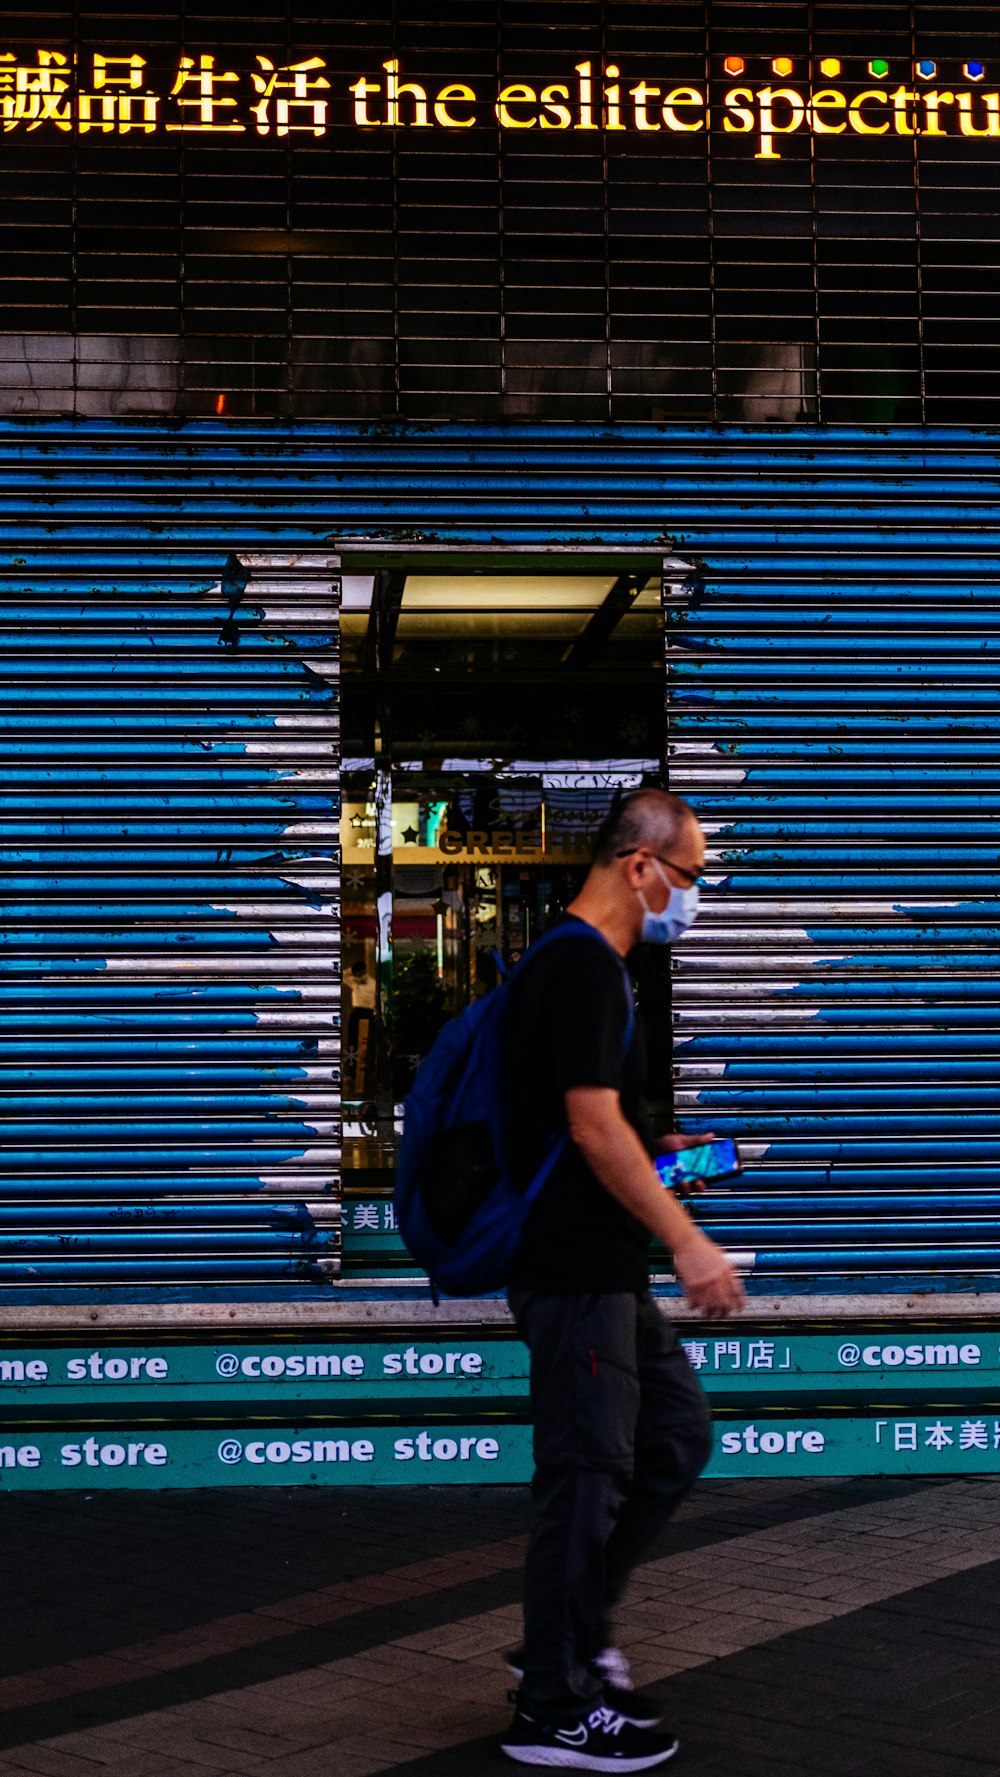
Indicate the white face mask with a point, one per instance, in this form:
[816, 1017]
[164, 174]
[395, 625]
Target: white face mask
[680, 912]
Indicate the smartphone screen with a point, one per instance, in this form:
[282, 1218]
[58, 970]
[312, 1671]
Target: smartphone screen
[711, 1159]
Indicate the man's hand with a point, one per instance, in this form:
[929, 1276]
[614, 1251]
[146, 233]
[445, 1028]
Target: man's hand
[615, 1154]
[708, 1278]
[675, 1144]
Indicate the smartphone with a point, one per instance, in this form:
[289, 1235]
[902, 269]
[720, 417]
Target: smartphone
[717, 1158]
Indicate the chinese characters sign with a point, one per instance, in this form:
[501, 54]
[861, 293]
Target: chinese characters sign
[863, 1363]
[305, 96]
[204, 98]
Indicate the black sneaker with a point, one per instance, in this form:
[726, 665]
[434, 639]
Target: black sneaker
[640, 1708]
[599, 1741]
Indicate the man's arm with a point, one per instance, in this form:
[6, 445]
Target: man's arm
[615, 1154]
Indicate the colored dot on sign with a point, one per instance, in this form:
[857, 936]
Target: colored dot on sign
[974, 70]
[782, 65]
[879, 68]
[734, 64]
[830, 66]
[927, 70]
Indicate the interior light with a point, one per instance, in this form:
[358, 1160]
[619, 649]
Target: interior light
[783, 65]
[927, 70]
[734, 64]
[830, 66]
[974, 70]
[879, 68]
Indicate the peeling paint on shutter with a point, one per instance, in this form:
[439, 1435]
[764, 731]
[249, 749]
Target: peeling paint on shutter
[168, 957]
[832, 716]
[833, 705]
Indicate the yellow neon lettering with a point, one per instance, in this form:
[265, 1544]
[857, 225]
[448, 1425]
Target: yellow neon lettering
[453, 95]
[208, 102]
[685, 96]
[900, 99]
[115, 99]
[642, 95]
[33, 95]
[827, 99]
[395, 89]
[857, 118]
[117, 104]
[363, 90]
[561, 118]
[288, 92]
[744, 125]
[992, 104]
[933, 126]
[585, 71]
[768, 128]
[516, 95]
[613, 101]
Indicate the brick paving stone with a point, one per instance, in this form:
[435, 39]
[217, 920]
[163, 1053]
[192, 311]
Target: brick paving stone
[129, 1761]
[141, 1765]
[897, 1763]
[649, 1662]
[653, 1620]
[153, 1737]
[801, 1628]
[499, 1630]
[52, 1761]
[320, 1763]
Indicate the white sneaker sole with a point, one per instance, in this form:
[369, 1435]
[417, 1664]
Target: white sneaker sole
[568, 1758]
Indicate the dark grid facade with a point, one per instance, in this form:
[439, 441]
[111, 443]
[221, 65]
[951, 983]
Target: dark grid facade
[491, 275]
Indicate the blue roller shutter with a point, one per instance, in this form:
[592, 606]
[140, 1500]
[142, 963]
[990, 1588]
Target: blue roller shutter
[832, 712]
[832, 715]
[168, 954]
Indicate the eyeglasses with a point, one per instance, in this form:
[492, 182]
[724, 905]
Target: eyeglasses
[681, 869]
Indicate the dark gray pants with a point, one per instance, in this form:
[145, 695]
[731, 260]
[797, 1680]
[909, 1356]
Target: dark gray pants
[622, 1430]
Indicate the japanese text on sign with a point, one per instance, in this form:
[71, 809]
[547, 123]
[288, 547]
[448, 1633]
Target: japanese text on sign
[737, 1354]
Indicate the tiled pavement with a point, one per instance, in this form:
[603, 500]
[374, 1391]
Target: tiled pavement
[797, 1628]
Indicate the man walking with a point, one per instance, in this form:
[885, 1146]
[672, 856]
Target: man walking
[621, 1427]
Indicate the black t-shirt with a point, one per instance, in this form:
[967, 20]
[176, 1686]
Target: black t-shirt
[565, 1027]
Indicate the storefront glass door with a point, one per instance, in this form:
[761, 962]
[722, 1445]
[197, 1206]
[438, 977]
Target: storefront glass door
[482, 746]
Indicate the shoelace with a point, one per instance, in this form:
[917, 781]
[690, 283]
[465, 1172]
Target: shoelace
[613, 1666]
[607, 1721]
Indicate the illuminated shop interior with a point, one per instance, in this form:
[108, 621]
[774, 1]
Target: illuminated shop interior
[488, 719]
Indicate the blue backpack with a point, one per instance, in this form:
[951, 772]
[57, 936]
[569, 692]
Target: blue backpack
[457, 1207]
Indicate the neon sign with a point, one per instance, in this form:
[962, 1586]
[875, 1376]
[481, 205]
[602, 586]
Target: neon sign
[200, 99]
[116, 96]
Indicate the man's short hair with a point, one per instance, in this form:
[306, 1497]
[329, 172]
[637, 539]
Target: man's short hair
[643, 817]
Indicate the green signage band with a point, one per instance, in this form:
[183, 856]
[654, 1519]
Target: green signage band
[960, 1443]
[308, 1456]
[238, 1372]
[464, 1368]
